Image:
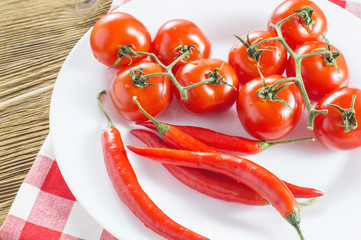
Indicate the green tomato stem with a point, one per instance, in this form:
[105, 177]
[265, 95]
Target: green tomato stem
[182, 90]
[171, 65]
[266, 40]
[152, 55]
[313, 53]
[287, 18]
[169, 73]
[298, 78]
[198, 84]
[156, 74]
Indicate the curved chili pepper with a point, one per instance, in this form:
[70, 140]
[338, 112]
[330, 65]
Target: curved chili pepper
[236, 144]
[214, 184]
[131, 193]
[253, 175]
[210, 183]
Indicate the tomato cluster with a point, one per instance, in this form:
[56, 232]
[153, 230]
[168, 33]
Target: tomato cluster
[179, 48]
[271, 75]
[315, 73]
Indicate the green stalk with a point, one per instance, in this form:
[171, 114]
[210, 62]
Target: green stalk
[169, 72]
[110, 123]
[182, 90]
[298, 78]
[294, 219]
[264, 145]
[161, 127]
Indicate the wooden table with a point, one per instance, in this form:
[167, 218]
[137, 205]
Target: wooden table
[35, 38]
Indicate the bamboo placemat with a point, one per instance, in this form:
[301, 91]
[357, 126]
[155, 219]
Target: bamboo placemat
[35, 38]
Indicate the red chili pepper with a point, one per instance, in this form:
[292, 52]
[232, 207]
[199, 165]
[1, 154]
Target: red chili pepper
[210, 183]
[130, 192]
[214, 184]
[253, 175]
[236, 144]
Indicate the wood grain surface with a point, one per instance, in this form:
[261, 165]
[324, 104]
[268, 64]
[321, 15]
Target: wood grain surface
[35, 38]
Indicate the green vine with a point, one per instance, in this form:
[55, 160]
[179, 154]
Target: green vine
[139, 79]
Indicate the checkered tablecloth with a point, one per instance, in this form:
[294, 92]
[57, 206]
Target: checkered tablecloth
[45, 209]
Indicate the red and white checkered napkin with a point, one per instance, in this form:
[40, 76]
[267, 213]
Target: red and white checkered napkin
[353, 7]
[45, 209]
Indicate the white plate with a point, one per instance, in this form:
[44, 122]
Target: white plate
[76, 125]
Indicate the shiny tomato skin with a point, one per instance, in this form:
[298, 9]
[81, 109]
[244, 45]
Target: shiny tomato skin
[169, 36]
[319, 77]
[272, 61]
[207, 98]
[154, 99]
[116, 29]
[268, 120]
[325, 125]
[293, 30]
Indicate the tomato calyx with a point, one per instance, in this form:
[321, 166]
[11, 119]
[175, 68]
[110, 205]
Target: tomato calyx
[215, 78]
[330, 56]
[306, 15]
[185, 50]
[348, 116]
[139, 79]
[270, 92]
[125, 51]
[252, 51]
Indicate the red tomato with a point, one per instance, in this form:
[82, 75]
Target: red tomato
[318, 76]
[169, 37]
[207, 98]
[326, 125]
[154, 99]
[114, 30]
[268, 120]
[294, 30]
[272, 61]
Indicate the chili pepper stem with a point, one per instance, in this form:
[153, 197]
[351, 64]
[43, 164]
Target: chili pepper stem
[161, 127]
[294, 219]
[264, 145]
[110, 123]
[307, 203]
